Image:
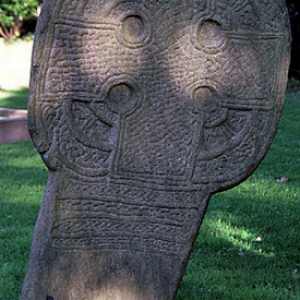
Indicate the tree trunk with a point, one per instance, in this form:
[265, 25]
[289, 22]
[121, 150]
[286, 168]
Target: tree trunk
[4, 32]
[13, 32]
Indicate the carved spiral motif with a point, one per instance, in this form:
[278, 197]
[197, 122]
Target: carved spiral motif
[134, 30]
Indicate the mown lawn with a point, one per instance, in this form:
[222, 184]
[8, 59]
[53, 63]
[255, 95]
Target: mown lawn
[16, 99]
[249, 244]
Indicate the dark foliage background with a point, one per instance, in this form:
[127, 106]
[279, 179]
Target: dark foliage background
[294, 12]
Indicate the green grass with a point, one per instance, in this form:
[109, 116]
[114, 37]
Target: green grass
[227, 262]
[23, 179]
[16, 99]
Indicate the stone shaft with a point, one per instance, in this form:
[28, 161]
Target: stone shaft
[142, 110]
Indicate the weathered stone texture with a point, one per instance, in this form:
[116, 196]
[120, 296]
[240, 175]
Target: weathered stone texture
[142, 110]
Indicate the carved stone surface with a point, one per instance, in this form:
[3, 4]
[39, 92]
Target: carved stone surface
[142, 110]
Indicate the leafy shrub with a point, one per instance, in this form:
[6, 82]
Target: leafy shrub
[13, 13]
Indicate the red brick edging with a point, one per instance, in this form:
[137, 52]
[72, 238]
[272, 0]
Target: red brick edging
[13, 128]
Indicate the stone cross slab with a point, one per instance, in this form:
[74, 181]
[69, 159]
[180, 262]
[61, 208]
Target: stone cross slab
[141, 110]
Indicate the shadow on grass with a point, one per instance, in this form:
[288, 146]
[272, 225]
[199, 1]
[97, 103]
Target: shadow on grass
[21, 165]
[16, 230]
[15, 99]
[228, 263]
